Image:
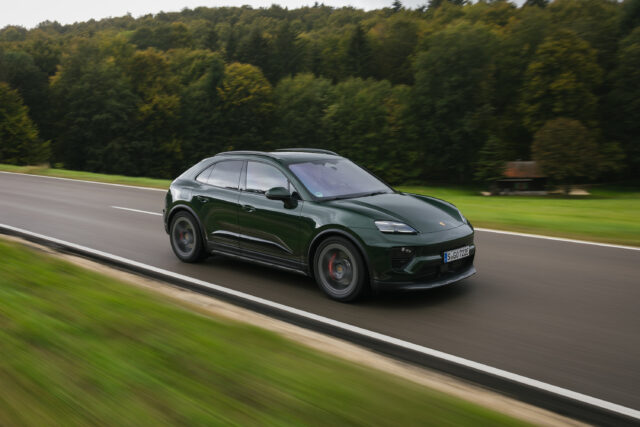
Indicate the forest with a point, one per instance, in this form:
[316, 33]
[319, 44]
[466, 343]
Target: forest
[444, 93]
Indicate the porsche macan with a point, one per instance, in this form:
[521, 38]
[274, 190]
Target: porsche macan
[317, 213]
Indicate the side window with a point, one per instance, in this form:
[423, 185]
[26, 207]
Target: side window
[262, 177]
[225, 174]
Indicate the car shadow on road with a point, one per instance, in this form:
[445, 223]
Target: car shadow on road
[260, 272]
[421, 299]
[244, 270]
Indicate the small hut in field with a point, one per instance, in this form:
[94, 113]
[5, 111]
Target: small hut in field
[522, 178]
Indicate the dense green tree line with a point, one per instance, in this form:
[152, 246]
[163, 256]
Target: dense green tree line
[445, 92]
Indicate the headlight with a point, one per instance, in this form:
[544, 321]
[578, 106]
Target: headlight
[394, 227]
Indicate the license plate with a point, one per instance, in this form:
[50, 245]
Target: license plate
[456, 254]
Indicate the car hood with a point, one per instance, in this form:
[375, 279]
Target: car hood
[425, 214]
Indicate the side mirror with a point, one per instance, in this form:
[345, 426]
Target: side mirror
[278, 193]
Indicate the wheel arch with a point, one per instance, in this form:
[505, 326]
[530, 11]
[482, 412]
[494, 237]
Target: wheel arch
[185, 208]
[336, 232]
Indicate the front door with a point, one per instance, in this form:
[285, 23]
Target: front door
[268, 229]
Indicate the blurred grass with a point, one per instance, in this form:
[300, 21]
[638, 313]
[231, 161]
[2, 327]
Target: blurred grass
[80, 348]
[88, 176]
[608, 215]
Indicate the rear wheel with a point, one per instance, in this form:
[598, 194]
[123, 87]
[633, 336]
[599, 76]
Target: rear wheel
[186, 240]
[340, 270]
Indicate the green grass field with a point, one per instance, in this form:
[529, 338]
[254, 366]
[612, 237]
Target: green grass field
[78, 348]
[608, 215]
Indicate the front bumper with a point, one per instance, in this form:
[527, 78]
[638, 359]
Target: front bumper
[425, 268]
[442, 280]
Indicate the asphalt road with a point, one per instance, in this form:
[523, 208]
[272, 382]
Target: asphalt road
[563, 313]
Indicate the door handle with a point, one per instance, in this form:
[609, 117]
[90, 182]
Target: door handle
[248, 208]
[202, 199]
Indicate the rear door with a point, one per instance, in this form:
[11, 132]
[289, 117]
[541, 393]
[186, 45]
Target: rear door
[268, 228]
[217, 201]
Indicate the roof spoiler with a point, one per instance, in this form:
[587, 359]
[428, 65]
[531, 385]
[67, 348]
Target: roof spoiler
[309, 150]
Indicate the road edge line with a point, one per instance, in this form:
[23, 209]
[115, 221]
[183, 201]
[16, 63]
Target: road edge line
[86, 181]
[559, 239]
[552, 397]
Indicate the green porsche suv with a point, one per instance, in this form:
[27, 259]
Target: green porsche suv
[317, 213]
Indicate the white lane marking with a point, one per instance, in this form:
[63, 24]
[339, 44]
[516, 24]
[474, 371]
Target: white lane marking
[559, 239]
[614, 407]
[488, 230]
[136, 210]
[86, 181]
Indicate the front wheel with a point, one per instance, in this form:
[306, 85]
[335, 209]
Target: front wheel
[340, 270]
[186, 240]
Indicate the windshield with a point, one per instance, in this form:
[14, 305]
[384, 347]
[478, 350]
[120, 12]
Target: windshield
[337, 178]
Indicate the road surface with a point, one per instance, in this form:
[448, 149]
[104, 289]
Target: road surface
[563, 313]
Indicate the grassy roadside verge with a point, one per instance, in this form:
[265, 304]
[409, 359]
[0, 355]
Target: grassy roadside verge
[88, 176]
[81, 348]
[609, 216]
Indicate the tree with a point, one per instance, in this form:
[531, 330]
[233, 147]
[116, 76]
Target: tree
[539, 3]
[19, 143]
[451, 103]
[21, 73]
[566, 151]
[99, 106]
[357, 62]
[200, 73]
[622, 112]
[246, 106]
[300, 103]
[156, 135]
[364, 122]
[561, 80]
[394, 42]
[397, 6]
[492, 159]
[256, 50]
[286, 53]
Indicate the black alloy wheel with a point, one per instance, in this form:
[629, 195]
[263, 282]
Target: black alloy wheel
[186, 241]
[340, 270]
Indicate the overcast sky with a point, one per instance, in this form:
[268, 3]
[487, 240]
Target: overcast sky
[28, 13]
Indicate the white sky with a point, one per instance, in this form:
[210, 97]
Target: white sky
[29, 13]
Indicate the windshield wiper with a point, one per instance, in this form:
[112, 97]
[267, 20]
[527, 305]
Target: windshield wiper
[347, 196]
[375, 193]
[354, 196]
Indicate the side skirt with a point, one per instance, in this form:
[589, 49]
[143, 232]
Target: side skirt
[266, 260]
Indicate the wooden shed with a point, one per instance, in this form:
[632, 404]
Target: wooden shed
[522, 177]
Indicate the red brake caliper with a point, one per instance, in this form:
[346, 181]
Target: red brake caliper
[331, 265]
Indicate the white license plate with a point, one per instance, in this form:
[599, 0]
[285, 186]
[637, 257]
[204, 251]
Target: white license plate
[456, 254]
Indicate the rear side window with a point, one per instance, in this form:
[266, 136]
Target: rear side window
[203, 177]
[262, 177]
[224, 174]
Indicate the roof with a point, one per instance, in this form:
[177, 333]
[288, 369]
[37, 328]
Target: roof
[287, 156]
[523, 170]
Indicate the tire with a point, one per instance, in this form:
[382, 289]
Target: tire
[340, 270]
[185, 237]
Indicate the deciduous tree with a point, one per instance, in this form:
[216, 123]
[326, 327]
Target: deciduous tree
[19, 142]
[561, 81]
